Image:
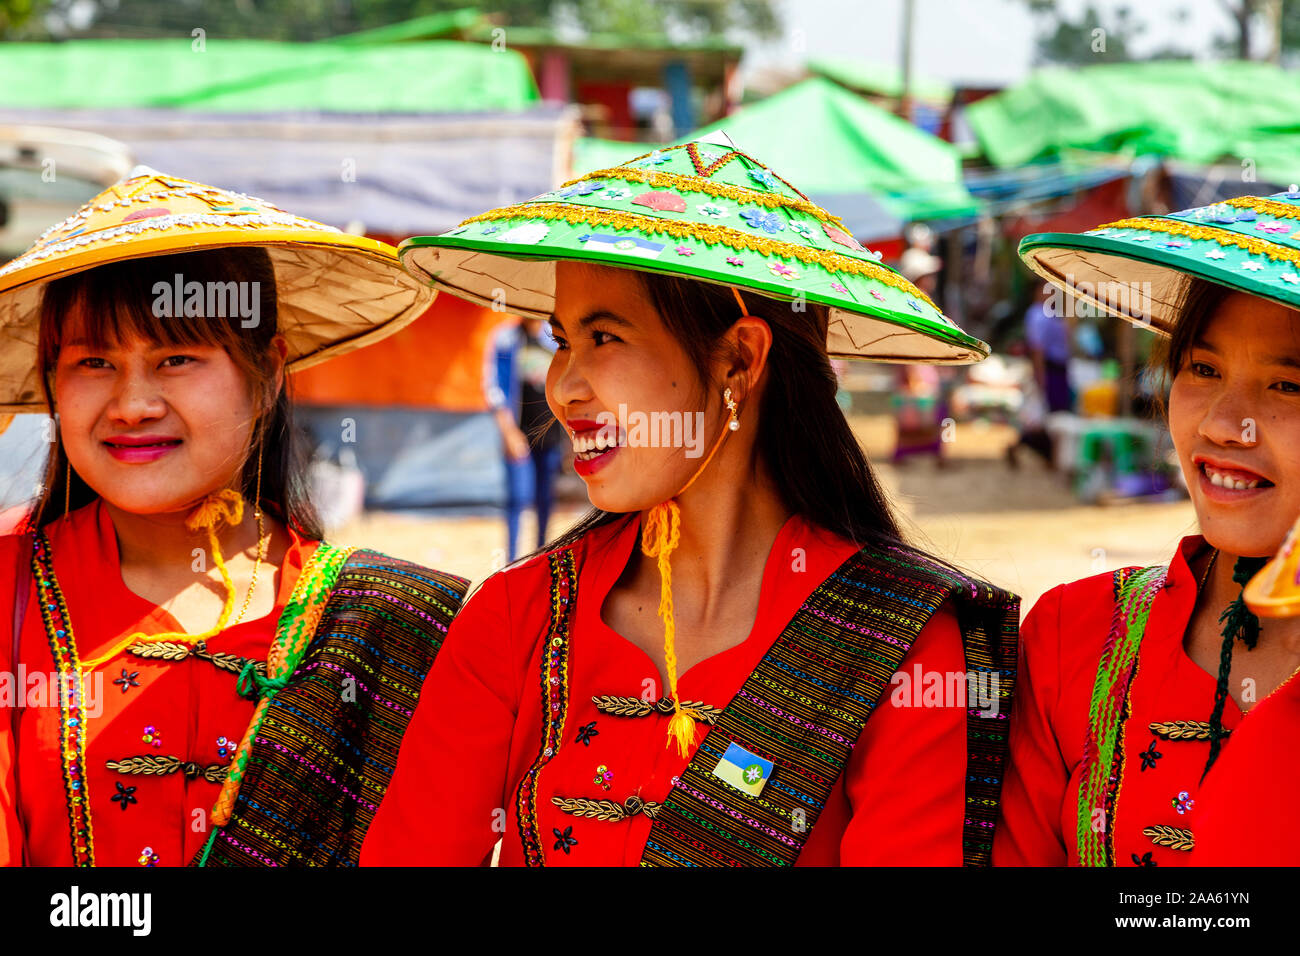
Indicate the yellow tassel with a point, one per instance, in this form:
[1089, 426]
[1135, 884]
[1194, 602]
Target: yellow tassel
[225, 505]
[659, 538]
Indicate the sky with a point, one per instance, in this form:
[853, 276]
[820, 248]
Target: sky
[971, 42]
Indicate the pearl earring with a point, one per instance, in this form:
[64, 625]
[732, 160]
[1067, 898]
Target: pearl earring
[734, 424]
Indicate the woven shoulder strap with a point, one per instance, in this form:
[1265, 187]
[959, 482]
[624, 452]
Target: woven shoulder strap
[1135, 590]
[804, 706]
[324, 752]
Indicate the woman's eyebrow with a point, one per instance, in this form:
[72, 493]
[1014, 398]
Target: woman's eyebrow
[603, 315]
[1285, 361]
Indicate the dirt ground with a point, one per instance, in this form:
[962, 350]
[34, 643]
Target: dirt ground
[1020, 529]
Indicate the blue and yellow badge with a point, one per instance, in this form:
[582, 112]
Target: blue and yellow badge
[745, 771]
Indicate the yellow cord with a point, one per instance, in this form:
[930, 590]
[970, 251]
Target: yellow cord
[660, 534]
[659, 538]
[225, 505]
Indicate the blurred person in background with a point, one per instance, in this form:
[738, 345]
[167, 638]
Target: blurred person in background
[534, 444]
[920, 400]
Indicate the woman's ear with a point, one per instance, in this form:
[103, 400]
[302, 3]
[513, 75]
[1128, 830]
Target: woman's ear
[280, 356]
[752, 341]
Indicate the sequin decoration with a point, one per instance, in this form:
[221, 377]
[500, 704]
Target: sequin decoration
[709, 234]
[124, 797]
[226, 747]
[579, 189]
[1150, 756]
[663, 201]
[71, 691]
[1182, 803]
[127, 680]
[554, 699]
[152, 735]
[768, 222]
[148, 857]
[565, 839]
[603, 776]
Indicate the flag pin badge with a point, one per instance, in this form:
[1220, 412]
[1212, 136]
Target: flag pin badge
[747, 772]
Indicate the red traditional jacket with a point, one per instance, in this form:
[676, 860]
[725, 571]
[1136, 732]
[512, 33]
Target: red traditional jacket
[479, 727]
[1158, 811]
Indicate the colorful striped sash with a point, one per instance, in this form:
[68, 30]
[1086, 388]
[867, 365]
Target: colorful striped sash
[1135, 590]
[323, 754]
[806, 703]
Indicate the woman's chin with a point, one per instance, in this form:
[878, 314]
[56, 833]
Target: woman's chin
[1243, 543]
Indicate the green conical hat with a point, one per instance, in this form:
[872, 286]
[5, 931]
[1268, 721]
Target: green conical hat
[701, 211]
[1139, 269]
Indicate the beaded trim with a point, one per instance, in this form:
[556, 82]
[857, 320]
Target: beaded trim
[709, 234]
[1270, 207]
[155, 223]
[1134, 593]
[740, 194]
[1181, 729]
[1173, 838]
[1224, 237]
[72, 727]
[554, 696]
[606, 809]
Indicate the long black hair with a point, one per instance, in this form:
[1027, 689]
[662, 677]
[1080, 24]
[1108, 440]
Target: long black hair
[115, 301]
[821, 472]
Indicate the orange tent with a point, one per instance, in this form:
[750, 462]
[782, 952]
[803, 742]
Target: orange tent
[438, 361]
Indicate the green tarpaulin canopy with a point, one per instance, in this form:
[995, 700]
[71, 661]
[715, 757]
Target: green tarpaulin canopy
[828, 141]
[258, 75]
[880, 79]
[1196, 112]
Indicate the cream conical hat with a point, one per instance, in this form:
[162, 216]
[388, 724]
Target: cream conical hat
[336, 292]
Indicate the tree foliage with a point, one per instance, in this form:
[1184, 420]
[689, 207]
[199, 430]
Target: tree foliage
[308, 20]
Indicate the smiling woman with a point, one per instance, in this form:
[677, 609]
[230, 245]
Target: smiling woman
[260, 679]
[1156, 707]
[111, 366]
[699, 672]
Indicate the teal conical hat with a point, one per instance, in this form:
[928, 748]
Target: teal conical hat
[1139, 269]
[704, 211]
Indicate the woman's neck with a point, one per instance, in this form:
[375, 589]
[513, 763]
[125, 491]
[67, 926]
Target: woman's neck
[1220, 590]
[157, 540]
[726, 535]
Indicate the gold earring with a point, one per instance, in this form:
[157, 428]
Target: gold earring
[257, 493]
[734, 423]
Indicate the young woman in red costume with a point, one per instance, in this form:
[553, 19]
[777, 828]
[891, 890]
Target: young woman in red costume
[682, 655]
[168, 583]
[1152, 700]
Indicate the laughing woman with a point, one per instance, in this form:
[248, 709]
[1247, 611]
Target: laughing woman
[686, 676]
[205, 679]
[1151, 697]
